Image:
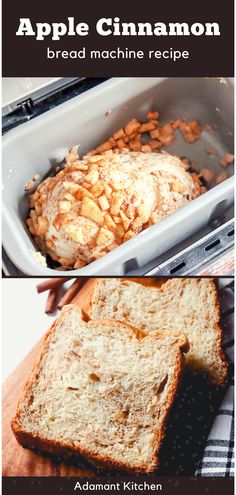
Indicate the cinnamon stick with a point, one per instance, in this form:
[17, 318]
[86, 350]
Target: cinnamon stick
[51, 301]
[70, 293]
[51, 283]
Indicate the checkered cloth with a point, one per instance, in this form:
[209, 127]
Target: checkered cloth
[218, 456]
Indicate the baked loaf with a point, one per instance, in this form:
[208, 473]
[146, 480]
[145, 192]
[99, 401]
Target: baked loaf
[101, 390]
[187, 304]
[101, 201]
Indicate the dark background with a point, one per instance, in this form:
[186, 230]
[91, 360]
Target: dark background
[209, 55]
[65, 486]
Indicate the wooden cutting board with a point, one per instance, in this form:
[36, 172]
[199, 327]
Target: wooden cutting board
[18, 461]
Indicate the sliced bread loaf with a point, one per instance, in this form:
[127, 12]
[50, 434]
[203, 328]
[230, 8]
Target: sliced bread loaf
[187, 304]
[101, 390]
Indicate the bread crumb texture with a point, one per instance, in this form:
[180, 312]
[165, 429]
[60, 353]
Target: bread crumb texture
[101, 390]
[188, 305]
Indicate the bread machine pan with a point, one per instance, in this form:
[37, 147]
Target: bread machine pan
[89, 119]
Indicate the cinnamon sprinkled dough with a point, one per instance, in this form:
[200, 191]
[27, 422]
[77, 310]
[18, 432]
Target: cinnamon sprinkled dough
[227, 159]
[102, 200]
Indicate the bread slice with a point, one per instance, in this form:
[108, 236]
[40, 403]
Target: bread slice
[101, 390]
[187, 304]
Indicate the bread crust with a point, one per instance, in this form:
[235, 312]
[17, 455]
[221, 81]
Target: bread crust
[70, 452]
[219, 379]
[218, 330]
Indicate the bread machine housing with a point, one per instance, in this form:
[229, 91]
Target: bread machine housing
[37, 146]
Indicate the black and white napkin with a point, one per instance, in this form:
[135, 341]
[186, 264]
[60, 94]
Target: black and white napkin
[218, 456]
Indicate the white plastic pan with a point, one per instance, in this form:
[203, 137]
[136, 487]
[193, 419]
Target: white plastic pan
[89, 119]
